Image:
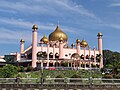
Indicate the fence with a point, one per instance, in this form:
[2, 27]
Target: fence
[70, 81]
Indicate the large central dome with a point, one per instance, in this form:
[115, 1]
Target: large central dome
[57, 34]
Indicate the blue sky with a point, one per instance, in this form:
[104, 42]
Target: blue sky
[81, 19]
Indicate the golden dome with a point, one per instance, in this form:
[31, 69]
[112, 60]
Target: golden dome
[72, 44]
[35, 27]
[84, 43]
[57, 34]
[99, 34]
[60, 39]
[78, 41]
[44, 39]
[22, 40]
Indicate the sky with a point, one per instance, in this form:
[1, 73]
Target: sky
[79, 19]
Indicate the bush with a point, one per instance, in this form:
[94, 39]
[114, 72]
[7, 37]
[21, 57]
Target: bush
[76, 76]
[108, 76]
[8, 71]
[59, 76]
[64, 64]
[29, 68]
[20, 69]
[59, 80]
[117, 76]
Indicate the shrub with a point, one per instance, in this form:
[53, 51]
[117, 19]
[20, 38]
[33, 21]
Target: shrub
[76, 76]
[29, 68]
[64, 64]
[117, 76]
[20, 69]
[108, 76]
[59, 76]
[8, 71]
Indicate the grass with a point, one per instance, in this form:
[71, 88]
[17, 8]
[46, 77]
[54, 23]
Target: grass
[60, 73]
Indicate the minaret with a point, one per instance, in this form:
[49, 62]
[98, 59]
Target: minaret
[22, 41]
[78, 46]
[34, 45]
[100, 48]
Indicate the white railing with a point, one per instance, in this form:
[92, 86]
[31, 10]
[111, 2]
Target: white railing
[73, 81]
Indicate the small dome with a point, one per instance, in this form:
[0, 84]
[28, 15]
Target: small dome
[99, 34]
[84, 43]
[78, 41]
[57, 34]
[75, 55]
[22, 40]
[44, 39]
[72, 44]
[35, 27]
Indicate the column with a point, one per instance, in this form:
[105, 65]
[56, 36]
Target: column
[34, 45]
[78, 48]
[22, 41]
[94, 56]
[47, 55]
[89, 58]
[54, 51]
[42, 47]
[84, 57]
[100, 48]
[60, 50]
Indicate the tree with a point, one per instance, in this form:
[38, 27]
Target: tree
[112, 61]
[8, 71]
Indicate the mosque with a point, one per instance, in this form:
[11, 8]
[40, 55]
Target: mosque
[54, 51]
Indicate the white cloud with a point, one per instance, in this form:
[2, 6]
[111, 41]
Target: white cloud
[115, 5]
[28, 25]
[75, 7]
[116, 26]
[8, 11]
[17, 22]
[49, 7]
[111, 25]
[56, 8]
[13, 36]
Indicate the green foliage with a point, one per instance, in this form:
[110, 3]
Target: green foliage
[64, 64]
[117, 76]
[108, 76]
[59, 76]
[20, 69]
[76, 76]
[29, 68]
[111, 61]
[8, 71]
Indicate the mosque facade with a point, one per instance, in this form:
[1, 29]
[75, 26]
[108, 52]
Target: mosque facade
[54, 51]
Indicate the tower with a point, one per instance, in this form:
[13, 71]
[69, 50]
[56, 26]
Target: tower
[78, 46]
[22, 41]
[34, 45]
[100, 48]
